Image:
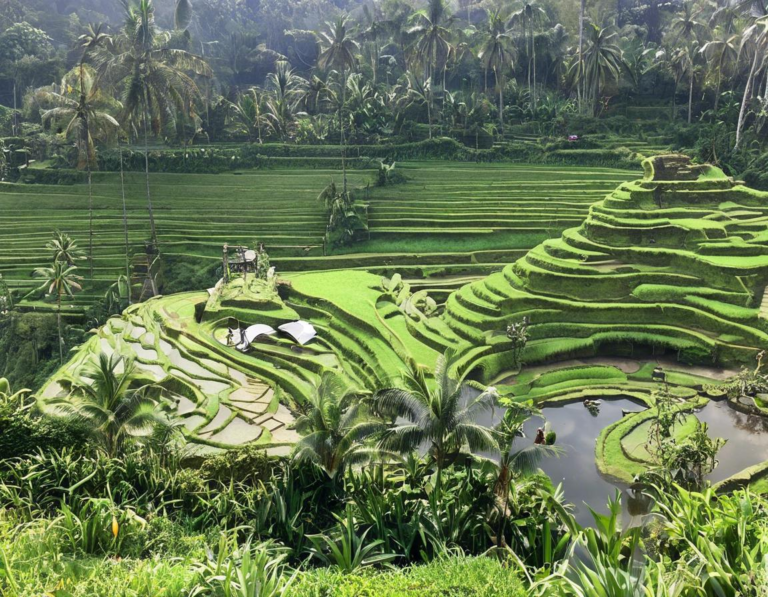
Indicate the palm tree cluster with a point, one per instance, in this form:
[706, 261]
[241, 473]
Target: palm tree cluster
[367, 76]
[433, 416]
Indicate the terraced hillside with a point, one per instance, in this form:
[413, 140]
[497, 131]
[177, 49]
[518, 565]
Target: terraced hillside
[195, 214]
[675, 261]
[225, 397]
[450, 218]
[471, 218]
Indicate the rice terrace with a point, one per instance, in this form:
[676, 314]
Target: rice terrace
[383, 298]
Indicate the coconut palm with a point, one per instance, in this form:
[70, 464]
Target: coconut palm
[432, 46]
[684, 66]
[582, 16]
[248, 113]
[527, 18]
[59, 280]
[287, 93]
[111, 405]
[376, 29]
[602, 62]
[87, 120]
[497, 53]
[432, 35]
[441, 417]
[721, 54]
[514, 464]
[336, 427]
[339, 53]
[415, 93]
[63, 247]
[153, 78]
[754, 40]
[687, 25]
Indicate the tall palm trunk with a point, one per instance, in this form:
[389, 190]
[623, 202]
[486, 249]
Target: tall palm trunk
[500, 83]
[717, 90]
[341, 126]
[533, 49]
[690, 97]
[580, 82]
[125, 222]
[58, 324]
[745, 99]
[90, 219]
[86, 141]
[153, 237]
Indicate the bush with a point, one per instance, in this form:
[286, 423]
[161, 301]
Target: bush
[23, 432]
[247, 464]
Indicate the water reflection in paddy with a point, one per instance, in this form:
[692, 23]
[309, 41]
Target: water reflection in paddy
[577, 430]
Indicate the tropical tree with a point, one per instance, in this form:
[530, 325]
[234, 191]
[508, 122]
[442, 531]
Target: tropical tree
[414, 92]
[111, 404]
[687, 25]
[442, 417]
[580, 67]
[152, 78]
[602, 61]
[497, 53]
[248, 113]
[84, 113]
[432, 46]
[336, 428]
[63, 247]
[339, 53]
[754, 40]
[527, 18]
[432, 35]
[514, 464]
[59, 280]
[721, 54]
[684, 65]
[287, 91]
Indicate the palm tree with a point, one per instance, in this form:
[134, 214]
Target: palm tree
[432, 46]
[602, 61]
[527, 18]
[684, 65]
[64, 248]
[415, 92]
[58, 280]
[111, 405]
[154, 80]
[248, 112]
[686, 24]
[376, 29]
[432, 34]
[287, 93]
[497, 53]
[755, 39]
[339, 53]
[441, 417]
[86, 120]
[336, 427]
[514, 463]
[721, 54]
[582, 16]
